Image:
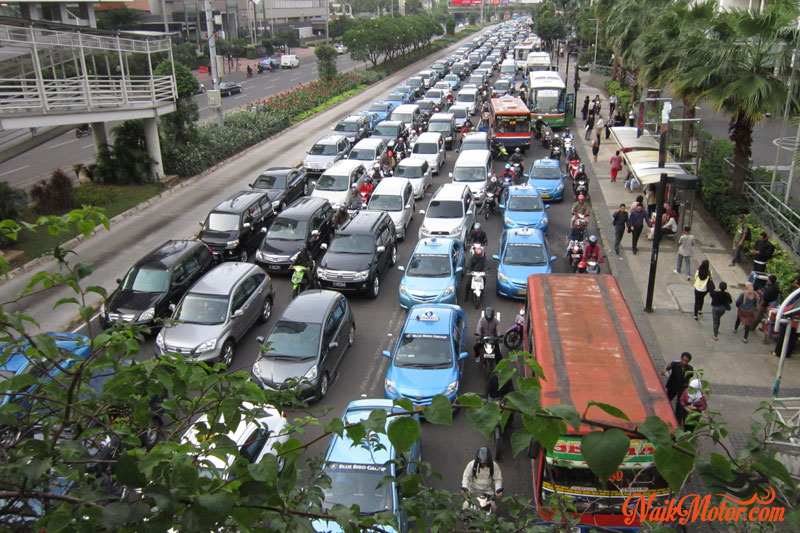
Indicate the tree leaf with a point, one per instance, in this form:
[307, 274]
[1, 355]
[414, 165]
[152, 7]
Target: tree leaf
[265, 470]
[115, 515]
[673, 465]
[484, 418]
[545, 430]
[127, 471]
[610, 409]
[568, 413]
[656, 430]
[218, 505]
[336, 426]
[470, 399]
[58, 521]
[403, 432]
[520, 440]
[440, 411]
[528, 401]
[604, 451]
[376, 421]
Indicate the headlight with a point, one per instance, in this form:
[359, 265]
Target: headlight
[560, 187]
[455, 231]
[403, 289]
[207, 346]
[260, 256]
[257, 370]
[232, 244]
[294, 257]
[452, 388]
[160, 341]
[448, 138]
[502, 277]
[322, 272]
[275, 204]
[507, 220]
[311, 375]
[388, 384]
[361, 276]
[449, 290]
[543, 222]
[148, 315]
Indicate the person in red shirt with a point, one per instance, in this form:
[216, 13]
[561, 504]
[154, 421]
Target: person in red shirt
[366, 187]
[592, 252]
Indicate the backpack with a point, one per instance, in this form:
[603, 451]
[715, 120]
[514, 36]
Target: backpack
[746, 233]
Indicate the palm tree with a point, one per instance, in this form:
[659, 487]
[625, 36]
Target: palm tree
[739, 67]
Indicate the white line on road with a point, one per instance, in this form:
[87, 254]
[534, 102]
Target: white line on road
[378, 366]
[15, 170]
[269, 86]
[87, 145]
[65, 142]
[239, 96]
[295, 78]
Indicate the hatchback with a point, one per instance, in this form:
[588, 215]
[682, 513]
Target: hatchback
[382, 108]
[325, 153]
[354, 127]
[524, 208]
[395, 197]
[522, 252]
[433, 272]
[339, 183]
[417, 171]
[305, 347]
[546, 175]
[450, 213]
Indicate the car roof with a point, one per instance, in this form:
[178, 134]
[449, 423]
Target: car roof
[398, 123]
[441, 116]
[353, 118]
[167, 254]
[546, 163]
[330, 139]
[405, 108]
[475, 135]
[310, 306]
[278, 171]
[430, 318]
[363, 222]
[525, 235]
[450, 191]
[342, 449]
[239, 201]
[473, 157]
[369, 142]
[221, 279]
[412, 162]
[344, 165]
[434, 245]
[429, 136]
[391, 186]
[526, 189]
[302, 207]
[467, 90]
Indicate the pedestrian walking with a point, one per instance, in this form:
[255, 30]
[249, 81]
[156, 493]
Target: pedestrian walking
[692, 400]
[762, 252]
[585, 108]
[702, 285]
[636, 222]
[741, 236]
[680, 372]
[616, 166]
[746, 304]
[685, 246]
[619, 220]
[612, 104]
[720, 303]
[770, 297]
[631, 117]
[589, 126]
[599, 126]
[638, 201]
[595, 148]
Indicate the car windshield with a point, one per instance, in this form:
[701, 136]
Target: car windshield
[293, 339]
[363, 154]
[287, 229]
[389, 131]
[465, 97]
[525, 203]
[347, 126]
[265, 181]
[429, 266]
[222, 222]
[202, 309]
[402, 117]
[352, 244]
[424, 351]
[443, 127]
[378, 108]
[144, 279]
[427, 148]
[408, 171]
[452, 77]
[525, 254]
[353, 484]
[475, 143]
[547, 101]
[445, 209]
[433, 94]
[386, 202]
[459, 112]
[395, 97]
[323, 149]
[469, 174]
[332, 182]
[414, 82]
[548, 173]
[501, 86]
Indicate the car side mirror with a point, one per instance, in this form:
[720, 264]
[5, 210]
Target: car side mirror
[450, 175]
[119, 281]
[238, 313]
[323, 246]
[463, 355]
[264, 230]
[386, 353]
[553, 257]
[260, 340]
[421, 211]
[380, 249]
[172, 307]
[246, 225]
[315, 233]
[496, 257]
[401, 268]
[333, 345]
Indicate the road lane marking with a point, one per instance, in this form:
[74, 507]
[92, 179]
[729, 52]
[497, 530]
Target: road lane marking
[15, 170]
[241, 95]
[377, 368]
[88, 146]
[270, 86]
[295, 78]
[65, 142]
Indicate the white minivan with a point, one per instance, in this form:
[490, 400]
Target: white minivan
[289, 61]
[508, 68]
[430, 146]
[408, 114]
[473, 169]
[469, 97]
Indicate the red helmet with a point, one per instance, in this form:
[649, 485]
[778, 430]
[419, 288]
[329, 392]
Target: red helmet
[582, 265]
[390, 153]
[580, 196]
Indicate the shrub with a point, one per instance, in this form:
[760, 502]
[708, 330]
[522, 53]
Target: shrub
[53, 196]
[473, 18]
[12, 201]
[326, 62]
[96, 195]
[450, 26]
[127, 161]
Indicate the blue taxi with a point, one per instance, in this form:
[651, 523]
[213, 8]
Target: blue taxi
[428, 358]
[433, 272]
[523, 251]
[382, 108]
[524, 208]
[546, 175]
[357, 471]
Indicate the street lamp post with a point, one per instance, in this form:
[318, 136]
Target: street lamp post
[327, 22]
[596, 33]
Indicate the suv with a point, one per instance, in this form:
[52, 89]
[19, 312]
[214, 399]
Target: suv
[217, 312]
[354, 127]
[283, 185]
[306, 223]
[339, 184]
[389, 131]
[325, 153]
[395, 196]
[155, 281]
[360, 252]
[450, 213]
[444, 123]
[233, 229]
[368, 151]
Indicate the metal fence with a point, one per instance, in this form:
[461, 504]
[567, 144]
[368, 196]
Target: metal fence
[774, 213]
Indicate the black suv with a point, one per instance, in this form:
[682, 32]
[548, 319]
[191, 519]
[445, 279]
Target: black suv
[354, 127]
[307, 222]
[155, 281]
[283, 185]
[233, 229]
[360, 252]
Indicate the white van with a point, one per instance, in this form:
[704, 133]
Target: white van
[396, 197]
[468, 97]
[289, 61]
[473, 168]
[508, 68]
[409, 114]
[430, 146]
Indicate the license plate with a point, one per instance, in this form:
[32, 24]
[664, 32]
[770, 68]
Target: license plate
[274, 267]
[545, 196]
[522, 291]
[488, 356]
[419, 407]
[339, 284]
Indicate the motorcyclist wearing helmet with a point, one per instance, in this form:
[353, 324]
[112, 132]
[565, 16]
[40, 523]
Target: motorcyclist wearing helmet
[507, 172]
[366, 187]
[482, 476]
[340, 217]
[488, 325]
[580, 207]
[494, 188]
[477, 235]
[517, 156]
[400, 147]
[305, 259]
[567, 134]
[376, 173]
[477, 263]
[577, 231]
[388, 166]
[580, 175]
[592, 252]
[538, 125]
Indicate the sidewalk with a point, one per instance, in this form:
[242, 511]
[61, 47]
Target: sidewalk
[740, 375]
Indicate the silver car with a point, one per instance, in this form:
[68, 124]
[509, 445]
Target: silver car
[217, 311]
[417, 171]
[325, 153]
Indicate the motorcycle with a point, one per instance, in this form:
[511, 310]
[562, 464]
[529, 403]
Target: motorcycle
[513, 335]
[555, 147]
[489, 349]
[485, 504]
[547, 134]
[516, 168]
[593, 266]
[499, 151]
[476, 286]
[490, 204]
[581, 187]
[574, 254]
[574, 165]
[300, 276]
[364, 199]
[83, 129]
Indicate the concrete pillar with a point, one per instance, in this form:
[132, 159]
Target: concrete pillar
[153, 148]
[61, 14]
[99, 135]
[31, 11]
[87, 14]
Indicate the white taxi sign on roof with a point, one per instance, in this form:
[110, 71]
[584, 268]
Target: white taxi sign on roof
[433, 241]
[428, 316]
[524, 231]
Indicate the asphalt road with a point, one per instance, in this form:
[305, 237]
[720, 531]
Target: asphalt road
[65, 150]
[377, 321]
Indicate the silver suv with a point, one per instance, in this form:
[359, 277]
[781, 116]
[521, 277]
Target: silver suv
[217, 311]
[325, 153]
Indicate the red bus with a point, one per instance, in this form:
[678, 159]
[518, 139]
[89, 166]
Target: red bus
[579, 329]
[510, 122]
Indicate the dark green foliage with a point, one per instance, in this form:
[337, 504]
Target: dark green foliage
[269, 48]
[186, 55]
[121, 18]
[338, 26]
[473, 18]
[450, 26]
[127, 161]
[53, 196]
[12, 201]
[96, 195]
[288, 38]
[326, 61]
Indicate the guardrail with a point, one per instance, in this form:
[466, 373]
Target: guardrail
[774, 213]
[786, 423]
[89, 93]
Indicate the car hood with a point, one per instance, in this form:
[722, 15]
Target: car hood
[416, 284]
[278, 247]
[352, 262]
[318, 160]
[475, 187]
[190, 336]
[125, 301]
[443, 224]
[333, 197]
[218, 237]
[423, 382]
[278, 371]
[387, 138]
[545, 184]
[520, 273]
[526, 217]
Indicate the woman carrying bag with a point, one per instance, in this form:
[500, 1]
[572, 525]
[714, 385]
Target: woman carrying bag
[702, 285]
[720, 303]
[746, 303]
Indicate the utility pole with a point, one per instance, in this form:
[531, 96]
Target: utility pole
[327, 22]
[164, 14]
[596, 34]
[212, 53]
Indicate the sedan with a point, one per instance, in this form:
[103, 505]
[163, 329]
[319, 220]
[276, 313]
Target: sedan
[305, 347]
[524, 208]
[546, 175]
[284, 185]
[522, 252]
[382, 109]
[433, 273]
[227, 88]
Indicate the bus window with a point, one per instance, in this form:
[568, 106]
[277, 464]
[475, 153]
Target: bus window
[547, 101]
[512, 125]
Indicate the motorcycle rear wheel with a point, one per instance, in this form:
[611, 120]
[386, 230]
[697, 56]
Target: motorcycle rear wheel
[497, 442]
[512, 339]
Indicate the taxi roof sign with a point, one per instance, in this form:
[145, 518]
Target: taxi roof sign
[428, 316]
[524, 231]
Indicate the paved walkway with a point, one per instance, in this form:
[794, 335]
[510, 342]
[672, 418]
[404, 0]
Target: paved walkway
[741, 375]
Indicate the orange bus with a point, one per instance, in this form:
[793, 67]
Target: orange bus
[581, 332]
[510, 122]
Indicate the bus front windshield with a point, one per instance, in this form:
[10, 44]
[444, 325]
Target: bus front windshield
[547, 101]
[512, 124]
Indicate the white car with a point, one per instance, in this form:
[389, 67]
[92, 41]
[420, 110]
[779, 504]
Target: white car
[396, 197]
[430, 146]
[289, 61]
[450, 213]
[417, 171]
[340, 183]
[340, 49]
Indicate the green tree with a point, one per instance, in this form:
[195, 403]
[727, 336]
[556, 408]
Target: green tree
[12, 201]
[473, 19]
[326, 61]
[126, 162]
[338, 26]
[288, 38]
[177, 125]
[121, 18]
[451, 26]
[414, 7]
[548, 24]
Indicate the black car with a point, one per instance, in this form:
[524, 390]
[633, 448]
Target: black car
[307, 222]
[155, 281]
[233, 229]
[227, 88]
[307, 344]
[283, 185]
[359, 253]
[390, 131]
[354, 127]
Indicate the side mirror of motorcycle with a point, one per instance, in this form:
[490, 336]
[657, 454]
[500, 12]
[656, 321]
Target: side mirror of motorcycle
[386, 353]
[315, 233]
[260, 340]
[323, 246]
[264, 230]
[401, 268]
[380, 249]
[496, 257]
[463, 355]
